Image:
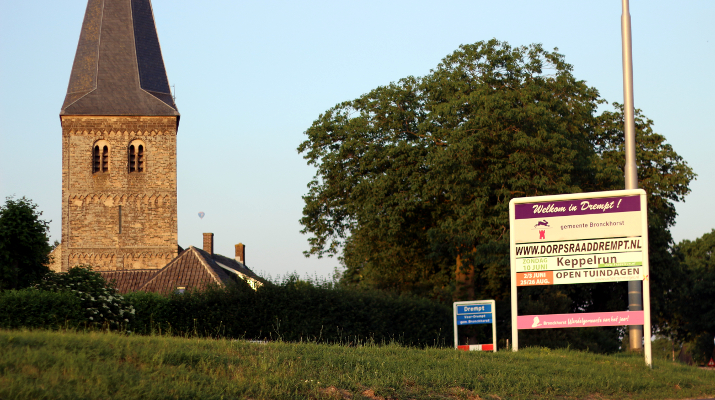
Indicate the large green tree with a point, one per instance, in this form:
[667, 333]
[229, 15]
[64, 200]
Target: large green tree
[414, 178]
[24, 247]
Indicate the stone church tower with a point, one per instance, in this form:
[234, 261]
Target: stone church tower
[119, 126]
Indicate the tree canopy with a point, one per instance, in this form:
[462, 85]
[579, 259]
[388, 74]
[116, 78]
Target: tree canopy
[695, 297]
[414, 178]
[24, 247]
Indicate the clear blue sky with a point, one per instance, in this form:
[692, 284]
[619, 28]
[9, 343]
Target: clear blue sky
[251, 77]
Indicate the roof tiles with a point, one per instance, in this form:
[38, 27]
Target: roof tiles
[129, 280]
[192, 269]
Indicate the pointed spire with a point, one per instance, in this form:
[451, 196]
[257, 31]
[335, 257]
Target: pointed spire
[118, 68]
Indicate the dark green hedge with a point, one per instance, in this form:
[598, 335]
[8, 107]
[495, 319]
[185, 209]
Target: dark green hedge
[294, 312]
[30, 308]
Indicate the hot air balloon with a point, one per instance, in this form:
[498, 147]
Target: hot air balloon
[201, 214]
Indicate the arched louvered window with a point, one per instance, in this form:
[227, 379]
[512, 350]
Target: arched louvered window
[136, 156]
[132, 158]
[105, 158]
[140, 158]
[96, 160]
[100, 157]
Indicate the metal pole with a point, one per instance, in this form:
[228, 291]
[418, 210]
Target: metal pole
[635, 292]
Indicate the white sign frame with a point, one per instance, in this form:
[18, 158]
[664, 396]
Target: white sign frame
[493, 312]
[617, 234]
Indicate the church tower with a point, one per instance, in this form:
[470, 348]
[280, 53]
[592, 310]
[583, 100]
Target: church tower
[119, 126]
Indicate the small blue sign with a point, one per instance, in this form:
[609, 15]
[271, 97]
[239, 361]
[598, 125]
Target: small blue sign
[475, 312]
[477, 308]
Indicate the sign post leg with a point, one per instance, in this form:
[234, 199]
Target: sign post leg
[646, 323]
[494, 327]
[514, 328]
[454, 319]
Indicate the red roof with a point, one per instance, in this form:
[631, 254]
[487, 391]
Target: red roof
[192, 269]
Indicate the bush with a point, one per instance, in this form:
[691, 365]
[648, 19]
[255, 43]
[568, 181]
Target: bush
[701, 348]
[148, 307]
[292, 311]
[101, 304]
[296, 311]
[30, 308]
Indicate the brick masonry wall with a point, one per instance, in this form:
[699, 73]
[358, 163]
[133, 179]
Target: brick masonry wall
[91, 201]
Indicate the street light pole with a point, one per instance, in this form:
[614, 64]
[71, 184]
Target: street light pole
[635, 291]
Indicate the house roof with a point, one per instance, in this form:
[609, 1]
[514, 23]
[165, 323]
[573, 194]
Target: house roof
[118, 68]
[232, 263]
[129, 280]
[192, 269]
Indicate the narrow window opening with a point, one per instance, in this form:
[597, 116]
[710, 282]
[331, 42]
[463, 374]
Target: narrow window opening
[95, 160]
[132, 159]
[140, 158]
[120, 219]
[105, 159]
[136, 156]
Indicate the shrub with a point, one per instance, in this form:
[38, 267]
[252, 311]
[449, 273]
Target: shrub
[296, 311]
[213, 312]
[101, 304]
[149, 307]
[30, 308]
[701, 348]
[293, 311]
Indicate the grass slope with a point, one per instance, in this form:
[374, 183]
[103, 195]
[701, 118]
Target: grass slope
[52, 365]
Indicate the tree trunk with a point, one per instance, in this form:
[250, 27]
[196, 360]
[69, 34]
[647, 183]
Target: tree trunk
[464, 274]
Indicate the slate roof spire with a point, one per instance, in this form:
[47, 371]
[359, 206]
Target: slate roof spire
[118, 68]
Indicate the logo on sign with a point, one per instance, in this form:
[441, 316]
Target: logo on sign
[542, 224]
[536, 322]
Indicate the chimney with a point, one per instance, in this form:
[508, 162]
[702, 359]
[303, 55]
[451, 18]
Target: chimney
[209, 243]
[241, 253]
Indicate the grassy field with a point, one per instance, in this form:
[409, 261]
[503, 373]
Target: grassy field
[51, 365]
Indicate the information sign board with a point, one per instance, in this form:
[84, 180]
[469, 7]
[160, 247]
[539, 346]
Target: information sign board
[580, 238]
[475, 312]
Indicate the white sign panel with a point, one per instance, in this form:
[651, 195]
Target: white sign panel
[580, 238]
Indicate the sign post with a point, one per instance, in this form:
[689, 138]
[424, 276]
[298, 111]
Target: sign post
[580, 238]
[475, 312]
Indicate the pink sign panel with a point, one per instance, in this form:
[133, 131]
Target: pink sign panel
[578, 320]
